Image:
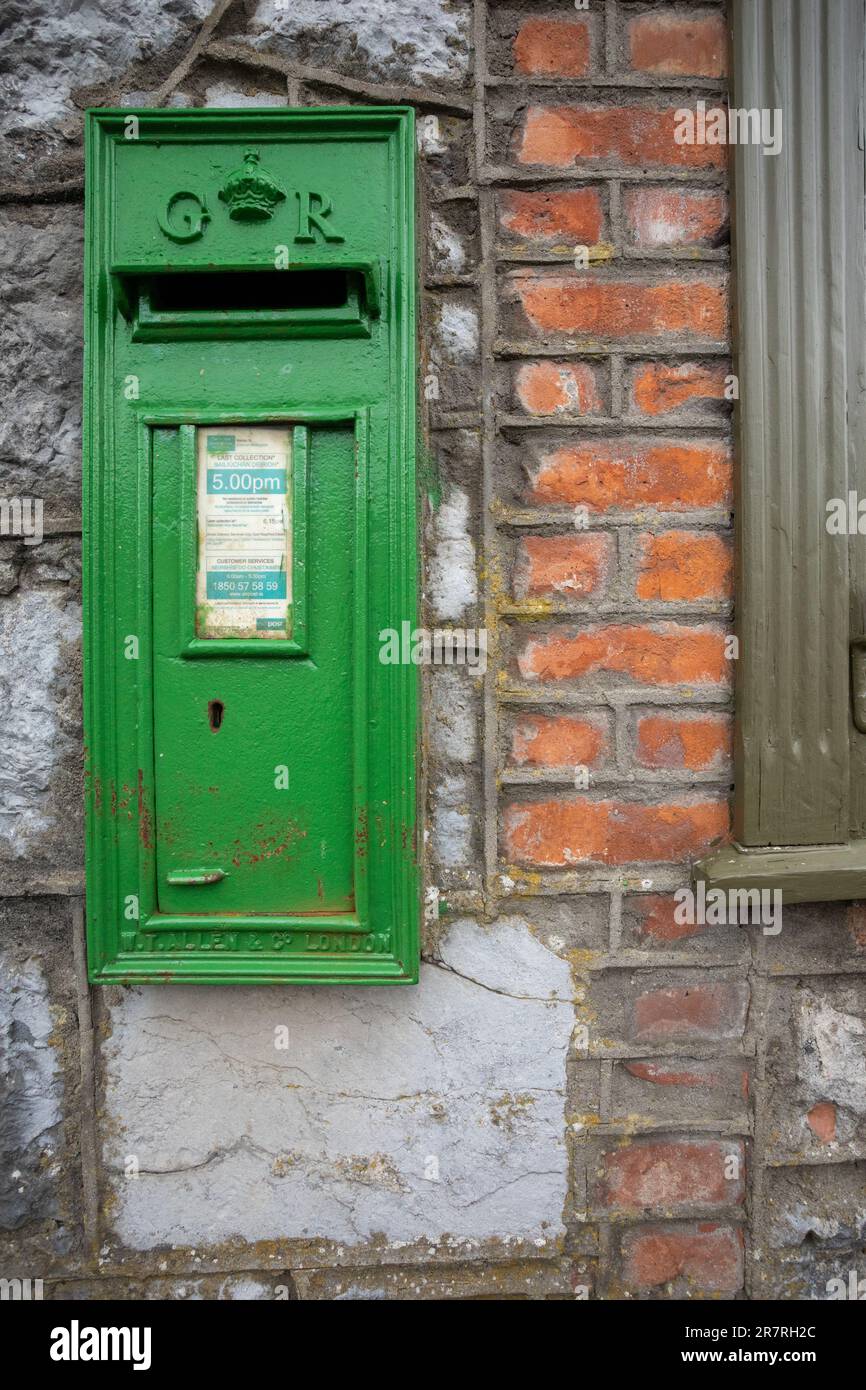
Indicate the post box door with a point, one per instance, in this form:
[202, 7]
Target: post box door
[254, 756]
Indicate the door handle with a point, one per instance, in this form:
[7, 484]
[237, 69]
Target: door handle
[194, 878]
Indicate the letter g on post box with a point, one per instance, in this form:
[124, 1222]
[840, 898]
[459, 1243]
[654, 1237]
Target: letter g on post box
[250, 528]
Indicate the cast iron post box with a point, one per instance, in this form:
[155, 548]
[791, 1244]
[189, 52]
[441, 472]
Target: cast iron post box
[250, 530]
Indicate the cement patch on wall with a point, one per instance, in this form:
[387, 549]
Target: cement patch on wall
[411, 1114]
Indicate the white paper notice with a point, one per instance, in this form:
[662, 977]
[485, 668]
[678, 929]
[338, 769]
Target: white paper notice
[244, 580]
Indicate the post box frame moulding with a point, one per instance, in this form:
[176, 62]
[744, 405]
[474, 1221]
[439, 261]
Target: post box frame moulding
[335, 186]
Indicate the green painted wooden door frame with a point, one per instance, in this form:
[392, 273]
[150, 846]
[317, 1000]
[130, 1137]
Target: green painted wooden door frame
[800, 356]
[202, 865]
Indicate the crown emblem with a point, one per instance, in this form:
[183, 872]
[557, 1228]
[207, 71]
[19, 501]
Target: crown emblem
[250, 192]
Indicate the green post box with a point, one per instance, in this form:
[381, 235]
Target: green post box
[250, 531]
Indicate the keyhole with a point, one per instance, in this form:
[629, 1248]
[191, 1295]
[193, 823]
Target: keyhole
[215, 713]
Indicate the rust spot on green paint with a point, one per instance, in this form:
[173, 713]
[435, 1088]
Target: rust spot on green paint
[166, 833]
[143, 815]
[266, 847]
[361, 834]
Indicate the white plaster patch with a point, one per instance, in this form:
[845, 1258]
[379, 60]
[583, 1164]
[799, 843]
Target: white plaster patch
[451, 838]
[506, 956]
[429, 136]
[449, 253]
[239, 1290]
[451, 571]
[221, 94]
[412, 1113]
[458, 331]
[453, 719]
[451, 830]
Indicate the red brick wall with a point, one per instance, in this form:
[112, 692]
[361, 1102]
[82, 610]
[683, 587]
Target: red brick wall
[587, 425]
[612, 501]
[615, 391]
